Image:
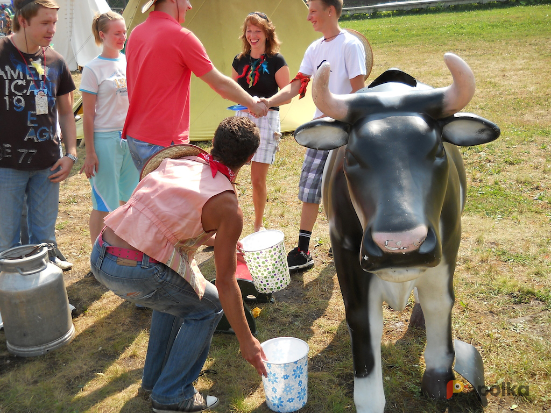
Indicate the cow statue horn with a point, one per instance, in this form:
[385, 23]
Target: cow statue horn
[455, 97]
[461, 91]
[334, 106]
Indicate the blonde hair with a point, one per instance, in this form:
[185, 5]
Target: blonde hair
[28, 10]
[261, 20]
[101, 24]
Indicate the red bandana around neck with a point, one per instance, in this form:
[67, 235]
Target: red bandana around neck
[216, 166]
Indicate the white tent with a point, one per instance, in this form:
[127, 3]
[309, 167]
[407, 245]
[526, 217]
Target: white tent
[73, 37]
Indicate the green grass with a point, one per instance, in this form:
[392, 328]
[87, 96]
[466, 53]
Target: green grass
[502, 281]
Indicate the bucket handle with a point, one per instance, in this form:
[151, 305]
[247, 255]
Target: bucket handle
[30, 272]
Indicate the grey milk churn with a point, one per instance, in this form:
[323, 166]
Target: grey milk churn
[33, 302]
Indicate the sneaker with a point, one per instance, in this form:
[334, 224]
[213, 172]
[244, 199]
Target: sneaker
[299, 260]
[64, 265]
[197, 403]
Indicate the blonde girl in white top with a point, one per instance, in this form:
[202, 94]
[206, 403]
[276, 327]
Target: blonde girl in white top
[108, 163]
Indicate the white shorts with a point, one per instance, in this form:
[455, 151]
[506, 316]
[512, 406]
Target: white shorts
[270, 134]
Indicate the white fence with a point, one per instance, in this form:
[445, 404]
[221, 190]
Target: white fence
[409, 5]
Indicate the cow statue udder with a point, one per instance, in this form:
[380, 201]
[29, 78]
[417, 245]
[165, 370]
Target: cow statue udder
[393, 190]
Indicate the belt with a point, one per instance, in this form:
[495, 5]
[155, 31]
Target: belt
[125, 253]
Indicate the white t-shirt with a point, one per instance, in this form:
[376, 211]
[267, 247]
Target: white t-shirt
[106, 78]
[346, 55]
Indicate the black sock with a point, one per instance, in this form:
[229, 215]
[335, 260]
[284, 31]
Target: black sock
[304, 240]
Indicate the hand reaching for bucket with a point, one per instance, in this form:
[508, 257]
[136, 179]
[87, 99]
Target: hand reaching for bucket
[252, 352]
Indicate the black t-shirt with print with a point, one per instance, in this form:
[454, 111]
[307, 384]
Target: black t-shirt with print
[266, 86]
[30, 141]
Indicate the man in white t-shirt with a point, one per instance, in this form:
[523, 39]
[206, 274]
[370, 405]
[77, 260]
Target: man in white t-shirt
[346, 55]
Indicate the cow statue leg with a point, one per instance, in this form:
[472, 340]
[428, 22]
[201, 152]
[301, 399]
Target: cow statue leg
[436, 296]
[365, 324]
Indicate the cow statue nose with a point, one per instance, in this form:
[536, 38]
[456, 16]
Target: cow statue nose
[401, 242]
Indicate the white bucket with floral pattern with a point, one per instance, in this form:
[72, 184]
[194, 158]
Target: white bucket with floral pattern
[286, 387]
[264, 253]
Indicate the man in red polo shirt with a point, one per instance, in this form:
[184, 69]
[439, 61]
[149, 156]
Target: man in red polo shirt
[161, 56]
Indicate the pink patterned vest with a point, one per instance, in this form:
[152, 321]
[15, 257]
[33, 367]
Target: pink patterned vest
[163, 216]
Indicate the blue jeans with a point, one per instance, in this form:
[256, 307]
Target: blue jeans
[42, 206]
[182, 325]
[141, 151]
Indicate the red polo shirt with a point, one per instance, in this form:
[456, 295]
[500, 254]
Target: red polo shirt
[161, 56]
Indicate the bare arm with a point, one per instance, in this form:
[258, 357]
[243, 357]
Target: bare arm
[91, 162]
[282, 78]
[66, 118]
[229, 89]
[222, 213]
[357, 83]
[284, 95]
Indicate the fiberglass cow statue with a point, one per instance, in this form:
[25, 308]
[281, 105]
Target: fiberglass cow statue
[394, 189]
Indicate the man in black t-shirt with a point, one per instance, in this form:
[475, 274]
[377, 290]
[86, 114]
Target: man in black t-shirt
[38, 93]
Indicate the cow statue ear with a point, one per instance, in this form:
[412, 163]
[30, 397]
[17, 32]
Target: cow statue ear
[467, 129]
[324, 134]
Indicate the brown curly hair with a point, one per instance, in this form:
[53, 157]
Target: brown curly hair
[261, 20]
[235, 140]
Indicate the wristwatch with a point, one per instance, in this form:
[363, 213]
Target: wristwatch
[71, 157]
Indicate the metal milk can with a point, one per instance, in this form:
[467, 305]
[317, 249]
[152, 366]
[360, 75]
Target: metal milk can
[33, 302]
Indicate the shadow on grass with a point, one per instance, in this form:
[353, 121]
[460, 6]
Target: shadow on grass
[300, 305]
[60, 378]
[402, 377]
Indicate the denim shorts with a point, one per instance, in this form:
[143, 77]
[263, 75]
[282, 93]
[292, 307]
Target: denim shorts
[141, 151]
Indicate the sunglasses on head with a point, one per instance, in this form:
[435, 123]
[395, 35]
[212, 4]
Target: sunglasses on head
[261, 15]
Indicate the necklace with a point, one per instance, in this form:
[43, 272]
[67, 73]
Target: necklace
[253, 69]
[326, 39]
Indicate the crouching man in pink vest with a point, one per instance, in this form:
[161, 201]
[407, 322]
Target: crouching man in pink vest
[145, 255]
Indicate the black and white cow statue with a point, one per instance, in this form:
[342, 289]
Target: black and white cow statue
[394, 189]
